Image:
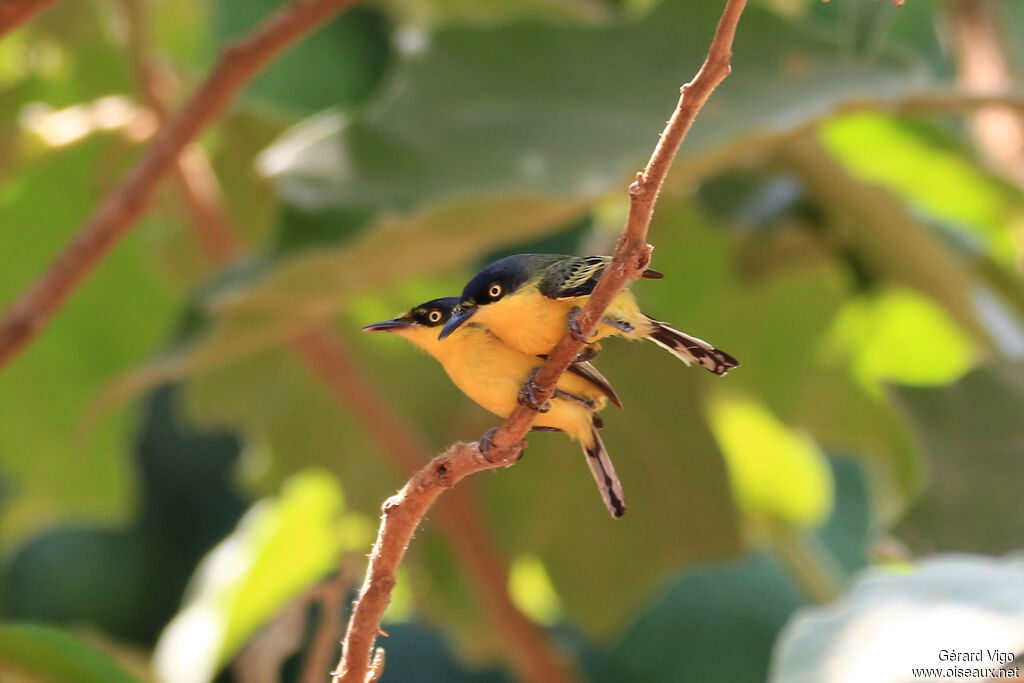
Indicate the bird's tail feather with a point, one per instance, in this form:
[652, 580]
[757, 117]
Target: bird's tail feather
[604, 474]
[690, 349]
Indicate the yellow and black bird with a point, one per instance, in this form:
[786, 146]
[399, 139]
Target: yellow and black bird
[528, 299]
[493, 374]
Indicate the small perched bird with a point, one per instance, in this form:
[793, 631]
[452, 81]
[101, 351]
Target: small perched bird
[527, 299]
[493, 374]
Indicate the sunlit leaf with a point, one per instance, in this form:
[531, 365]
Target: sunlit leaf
[901, 336]
[280, 547]
[774, 473]
[531, 590]
[932, 172]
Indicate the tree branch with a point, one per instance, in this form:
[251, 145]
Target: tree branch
[403, 512]
[116, 216]
[194, 178]
[530, 653]
[14, 13]
[982, 66]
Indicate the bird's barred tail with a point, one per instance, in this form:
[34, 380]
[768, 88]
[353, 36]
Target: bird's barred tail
[604, 474]
[690, 349]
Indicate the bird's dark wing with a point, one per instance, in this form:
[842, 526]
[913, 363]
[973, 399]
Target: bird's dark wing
[593, 375]
[572, 276]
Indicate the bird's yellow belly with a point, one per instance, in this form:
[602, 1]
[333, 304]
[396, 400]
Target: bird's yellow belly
[534, 324]
[493, 375]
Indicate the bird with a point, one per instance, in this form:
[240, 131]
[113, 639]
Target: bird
[498, 377]
[528, 299]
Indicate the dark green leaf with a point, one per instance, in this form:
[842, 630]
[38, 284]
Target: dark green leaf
[44, 654]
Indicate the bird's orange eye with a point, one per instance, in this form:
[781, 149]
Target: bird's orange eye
[495, 291]
[434, 316]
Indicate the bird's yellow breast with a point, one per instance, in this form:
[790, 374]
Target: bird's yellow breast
[534, 324]
[491, 373]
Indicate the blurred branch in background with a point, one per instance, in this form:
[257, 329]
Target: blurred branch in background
[983, 67]
[403, 512]
[13, 13]
[530, 653]
[194, 178]
[126, 203]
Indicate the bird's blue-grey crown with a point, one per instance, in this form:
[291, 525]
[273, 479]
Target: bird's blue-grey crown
[490, 284]
[499, 278]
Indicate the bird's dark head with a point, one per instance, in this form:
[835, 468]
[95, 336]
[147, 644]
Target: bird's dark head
[430, 314]
[493, 283]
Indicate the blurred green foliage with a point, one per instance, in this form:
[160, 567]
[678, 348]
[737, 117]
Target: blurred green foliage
[864, 266]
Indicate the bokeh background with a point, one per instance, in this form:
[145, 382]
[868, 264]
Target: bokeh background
[193, 454]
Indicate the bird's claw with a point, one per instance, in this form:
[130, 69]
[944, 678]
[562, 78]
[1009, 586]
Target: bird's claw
[528, 394]
[487, 442]
[588, 353]
[574, 327]
[620, 325]
[575, 399]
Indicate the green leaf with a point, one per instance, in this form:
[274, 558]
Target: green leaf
[933, 172]
[339, 64]
[775, 473]
[900, 336]
[44, 654]
[260, 308]
[112, 321]
[895, 619]
[126, 580]
[974, 436]
[711, 624]
[280, 547]
[882, 242]
[561, 110]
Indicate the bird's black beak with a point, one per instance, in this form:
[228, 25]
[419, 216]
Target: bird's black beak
[460, 316]
[388, 325]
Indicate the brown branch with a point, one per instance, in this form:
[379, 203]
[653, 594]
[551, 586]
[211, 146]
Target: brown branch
[982, 66]
[403, 512]
[531, 654]
[116, 216]
[14, 13]
[194, 179]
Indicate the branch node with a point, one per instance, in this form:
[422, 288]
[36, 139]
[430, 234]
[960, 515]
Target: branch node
[376, 666]
[391, 504]
[636, 188]
[643, 259]
[442, 473]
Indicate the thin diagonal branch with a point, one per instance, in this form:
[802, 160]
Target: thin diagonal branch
[983, 66]
[194, 179]
[403, 512]
[530, 653]
[14, 13]
[122, 208]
